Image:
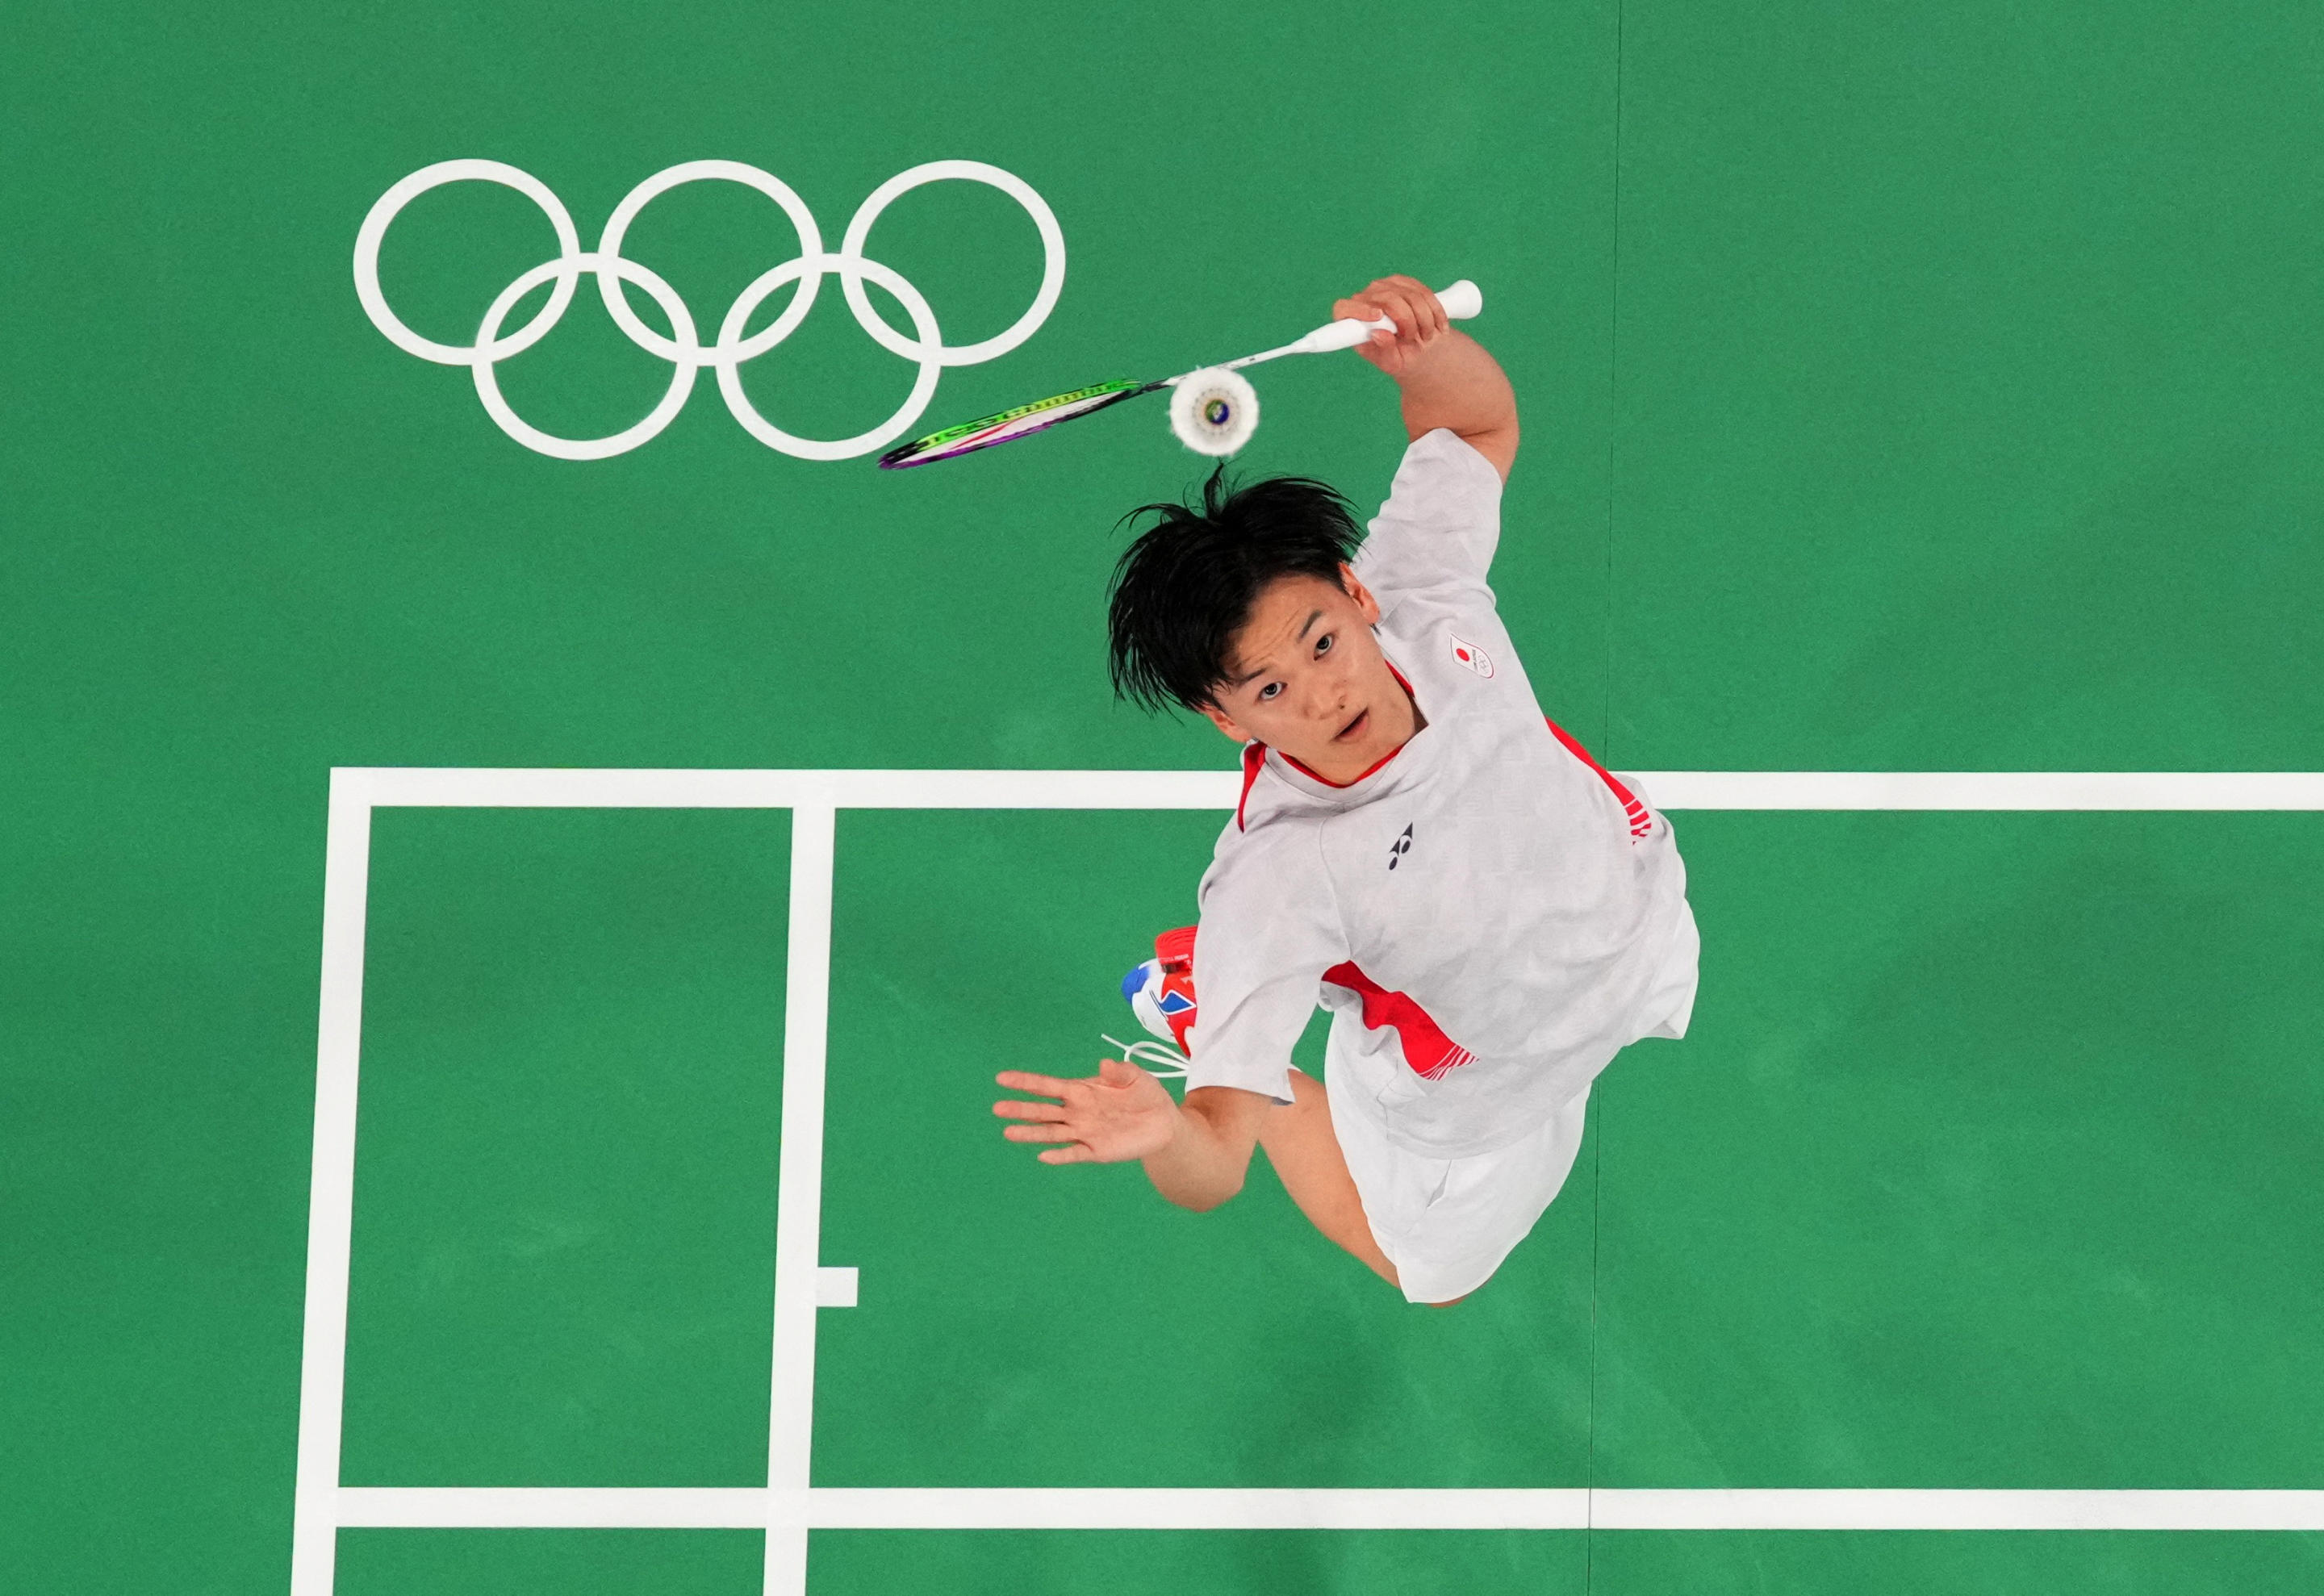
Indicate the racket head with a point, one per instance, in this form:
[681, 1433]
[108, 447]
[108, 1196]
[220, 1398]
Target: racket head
[1010, 425]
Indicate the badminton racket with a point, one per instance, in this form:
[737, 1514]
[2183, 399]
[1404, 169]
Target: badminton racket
[1462, 300]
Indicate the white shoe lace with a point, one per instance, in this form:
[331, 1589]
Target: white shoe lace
[1155, 1058]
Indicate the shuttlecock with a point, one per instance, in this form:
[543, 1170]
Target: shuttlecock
[1214, 411]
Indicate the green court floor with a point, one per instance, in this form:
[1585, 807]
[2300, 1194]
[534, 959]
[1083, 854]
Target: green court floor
[1917, 388]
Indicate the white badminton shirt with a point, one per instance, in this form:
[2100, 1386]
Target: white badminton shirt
[1486, 913]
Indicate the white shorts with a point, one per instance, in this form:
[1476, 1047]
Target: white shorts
[1447, 1223]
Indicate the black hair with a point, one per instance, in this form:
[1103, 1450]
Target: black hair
[1185, 586]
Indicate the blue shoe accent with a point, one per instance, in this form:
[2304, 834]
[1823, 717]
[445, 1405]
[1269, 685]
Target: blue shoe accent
[1134, 983]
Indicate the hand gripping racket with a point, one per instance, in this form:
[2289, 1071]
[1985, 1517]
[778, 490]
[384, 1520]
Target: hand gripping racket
[1462, 301]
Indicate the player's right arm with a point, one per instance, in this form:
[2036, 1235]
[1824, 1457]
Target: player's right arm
[1447, 378]
[1195, 1155]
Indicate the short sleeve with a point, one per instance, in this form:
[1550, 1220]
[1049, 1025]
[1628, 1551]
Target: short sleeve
[1441, 523]
[1268, 931]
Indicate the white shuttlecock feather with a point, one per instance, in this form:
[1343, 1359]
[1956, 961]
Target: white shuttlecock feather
[1214, 411]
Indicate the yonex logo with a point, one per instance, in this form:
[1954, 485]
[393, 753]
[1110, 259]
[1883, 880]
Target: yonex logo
[1173, 1002]
[683, 349]
[1398, 849]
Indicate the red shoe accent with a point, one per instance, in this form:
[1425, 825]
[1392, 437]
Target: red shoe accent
[1174, 952]
[1176, 949]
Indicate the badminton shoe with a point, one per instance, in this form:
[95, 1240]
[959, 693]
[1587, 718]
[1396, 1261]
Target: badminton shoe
[1160, 992]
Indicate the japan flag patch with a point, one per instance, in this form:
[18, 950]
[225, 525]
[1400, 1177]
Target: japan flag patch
[1470, 657]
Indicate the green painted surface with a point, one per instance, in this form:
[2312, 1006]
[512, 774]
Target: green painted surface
[1984, 1165]
[1966, 410]
[565, 1195]
[1934, 390]
[539, 1562]
[1953, 1565]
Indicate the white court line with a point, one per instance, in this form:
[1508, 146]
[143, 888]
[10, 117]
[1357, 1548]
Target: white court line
[1984, 790]
[799, 1197]
[439, 1507]
[1216, 789]
[1959, 1509]
[788, 1507]
[782, 789]
[331, 1196]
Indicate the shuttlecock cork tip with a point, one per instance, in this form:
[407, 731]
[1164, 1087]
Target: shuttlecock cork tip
[1214, 412]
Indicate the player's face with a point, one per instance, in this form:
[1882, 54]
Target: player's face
[1306, 676]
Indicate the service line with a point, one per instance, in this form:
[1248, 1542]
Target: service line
[1572, 1508]
[2069, 790]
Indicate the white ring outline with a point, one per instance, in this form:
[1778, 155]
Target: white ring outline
[925, 346]
[617, 228]
[729, 358]
[682, 373]
[384, 211]
[1045, 220]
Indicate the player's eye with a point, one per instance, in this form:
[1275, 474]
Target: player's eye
[1269, 691]
[1323, 645]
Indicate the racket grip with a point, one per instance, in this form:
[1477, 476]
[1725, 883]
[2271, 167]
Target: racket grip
[1461, 300]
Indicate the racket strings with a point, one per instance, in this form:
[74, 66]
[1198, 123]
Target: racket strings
[1005, 426]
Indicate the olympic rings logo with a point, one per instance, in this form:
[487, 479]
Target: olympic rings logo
[684, 348]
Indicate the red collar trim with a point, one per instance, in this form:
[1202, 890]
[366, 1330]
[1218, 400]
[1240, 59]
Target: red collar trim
[1250, 764]
[1254, 756]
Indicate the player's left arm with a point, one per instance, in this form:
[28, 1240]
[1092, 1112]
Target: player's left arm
[1196, 1155]
[1447, 378]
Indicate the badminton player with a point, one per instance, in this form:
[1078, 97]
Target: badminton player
[1488, 916]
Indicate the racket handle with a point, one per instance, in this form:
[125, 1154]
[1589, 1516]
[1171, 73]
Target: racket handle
[1462, 300]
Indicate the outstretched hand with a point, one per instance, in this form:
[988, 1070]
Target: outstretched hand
[1408, 302]
[1112, 1117]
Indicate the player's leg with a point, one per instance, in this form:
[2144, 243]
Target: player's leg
[1301, 1144]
